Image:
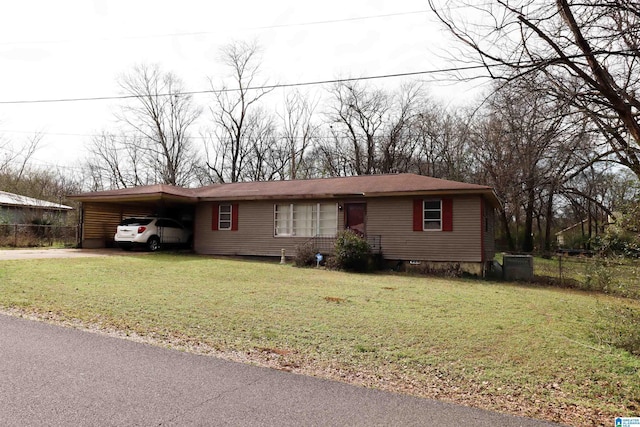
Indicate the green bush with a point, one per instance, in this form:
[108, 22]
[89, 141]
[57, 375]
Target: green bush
[352, 252]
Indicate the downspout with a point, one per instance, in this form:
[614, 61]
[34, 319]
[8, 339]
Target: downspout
[80, 227]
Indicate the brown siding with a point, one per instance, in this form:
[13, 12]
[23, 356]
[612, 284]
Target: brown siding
[489, 235]
[254, 235]
[101, 219]
[391, 218]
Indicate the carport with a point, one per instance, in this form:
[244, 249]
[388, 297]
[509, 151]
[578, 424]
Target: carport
[102, 211]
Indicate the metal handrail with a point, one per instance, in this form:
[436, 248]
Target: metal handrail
[325, 244]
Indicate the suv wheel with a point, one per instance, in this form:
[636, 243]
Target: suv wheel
[153, 244]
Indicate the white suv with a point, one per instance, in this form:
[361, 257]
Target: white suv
[152, 233]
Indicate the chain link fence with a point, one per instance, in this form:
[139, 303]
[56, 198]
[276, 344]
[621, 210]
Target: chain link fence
[31, 235]
[615, 276]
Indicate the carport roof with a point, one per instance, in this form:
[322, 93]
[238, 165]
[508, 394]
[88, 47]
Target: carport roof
[157, 192]
[355, 186]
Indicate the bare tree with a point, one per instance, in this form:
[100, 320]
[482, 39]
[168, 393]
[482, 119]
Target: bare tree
[228, 149]
[263, 162]
[375, 131]
[398, 144]
[589, 53]
[330, 157]
[16, 160]
[443, 149]
[591, 198]
[528, 147]
[299, 132]
[161, 116]
[118, 161]
[357, 116]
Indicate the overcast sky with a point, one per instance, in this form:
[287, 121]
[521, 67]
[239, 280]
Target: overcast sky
[77, 48]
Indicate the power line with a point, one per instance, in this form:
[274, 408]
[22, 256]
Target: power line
[264, 87]
[204, 33]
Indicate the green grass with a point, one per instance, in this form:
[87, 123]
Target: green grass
[522, 349]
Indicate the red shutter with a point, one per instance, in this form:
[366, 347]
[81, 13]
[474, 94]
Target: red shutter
[418, 223]
[214, 217]
[234, 217]
[447, 214]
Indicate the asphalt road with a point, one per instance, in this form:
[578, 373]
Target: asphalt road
[55, 376]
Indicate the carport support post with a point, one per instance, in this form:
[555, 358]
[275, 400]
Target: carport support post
[283, 258]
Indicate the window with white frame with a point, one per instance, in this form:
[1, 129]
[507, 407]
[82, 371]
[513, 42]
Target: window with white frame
[305, 219]
[432, 214]
[327, 219]
[224, 217]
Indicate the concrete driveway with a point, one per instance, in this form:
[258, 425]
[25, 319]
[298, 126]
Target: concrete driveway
[8, 254]
[58, 376]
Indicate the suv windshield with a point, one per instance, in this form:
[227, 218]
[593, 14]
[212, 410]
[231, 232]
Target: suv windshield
[136, 221]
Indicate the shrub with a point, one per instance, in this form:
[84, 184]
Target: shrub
[599, 275]
[305, 255]
[617, 244]
[622, 238]
[618, 326]
[331, 263]
[352, 252]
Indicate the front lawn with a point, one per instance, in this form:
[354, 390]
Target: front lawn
[520, 349]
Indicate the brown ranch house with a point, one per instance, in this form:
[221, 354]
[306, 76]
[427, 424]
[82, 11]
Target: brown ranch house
[417, 220]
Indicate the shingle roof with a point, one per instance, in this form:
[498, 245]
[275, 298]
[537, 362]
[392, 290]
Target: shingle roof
[353, 186]
[16, 200]
[363, 185]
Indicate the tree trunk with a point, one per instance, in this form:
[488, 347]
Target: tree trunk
[507, 230]
[527, 244]
[547, 228]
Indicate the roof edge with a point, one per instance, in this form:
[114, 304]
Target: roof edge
[488, 192]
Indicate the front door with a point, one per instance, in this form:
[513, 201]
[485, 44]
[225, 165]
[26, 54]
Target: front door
[355, 217]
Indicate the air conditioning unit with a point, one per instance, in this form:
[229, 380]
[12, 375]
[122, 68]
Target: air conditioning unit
[517, 267]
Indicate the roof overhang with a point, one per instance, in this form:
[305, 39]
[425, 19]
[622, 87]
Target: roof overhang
[135, 198]
[488, 194]
[340, 188]
[158, 193]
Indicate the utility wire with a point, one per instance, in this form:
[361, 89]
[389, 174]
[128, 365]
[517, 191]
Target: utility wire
[264, 87]
[299, 84]
[204, 33]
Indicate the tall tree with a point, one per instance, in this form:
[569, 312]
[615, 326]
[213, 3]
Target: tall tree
[299, 133]
[443, 143]
[589, 52]
[229, 149]
[357, 115]
[398, 144]
[527, 146]
[117, 161]
[263, 162]
[161, 116]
